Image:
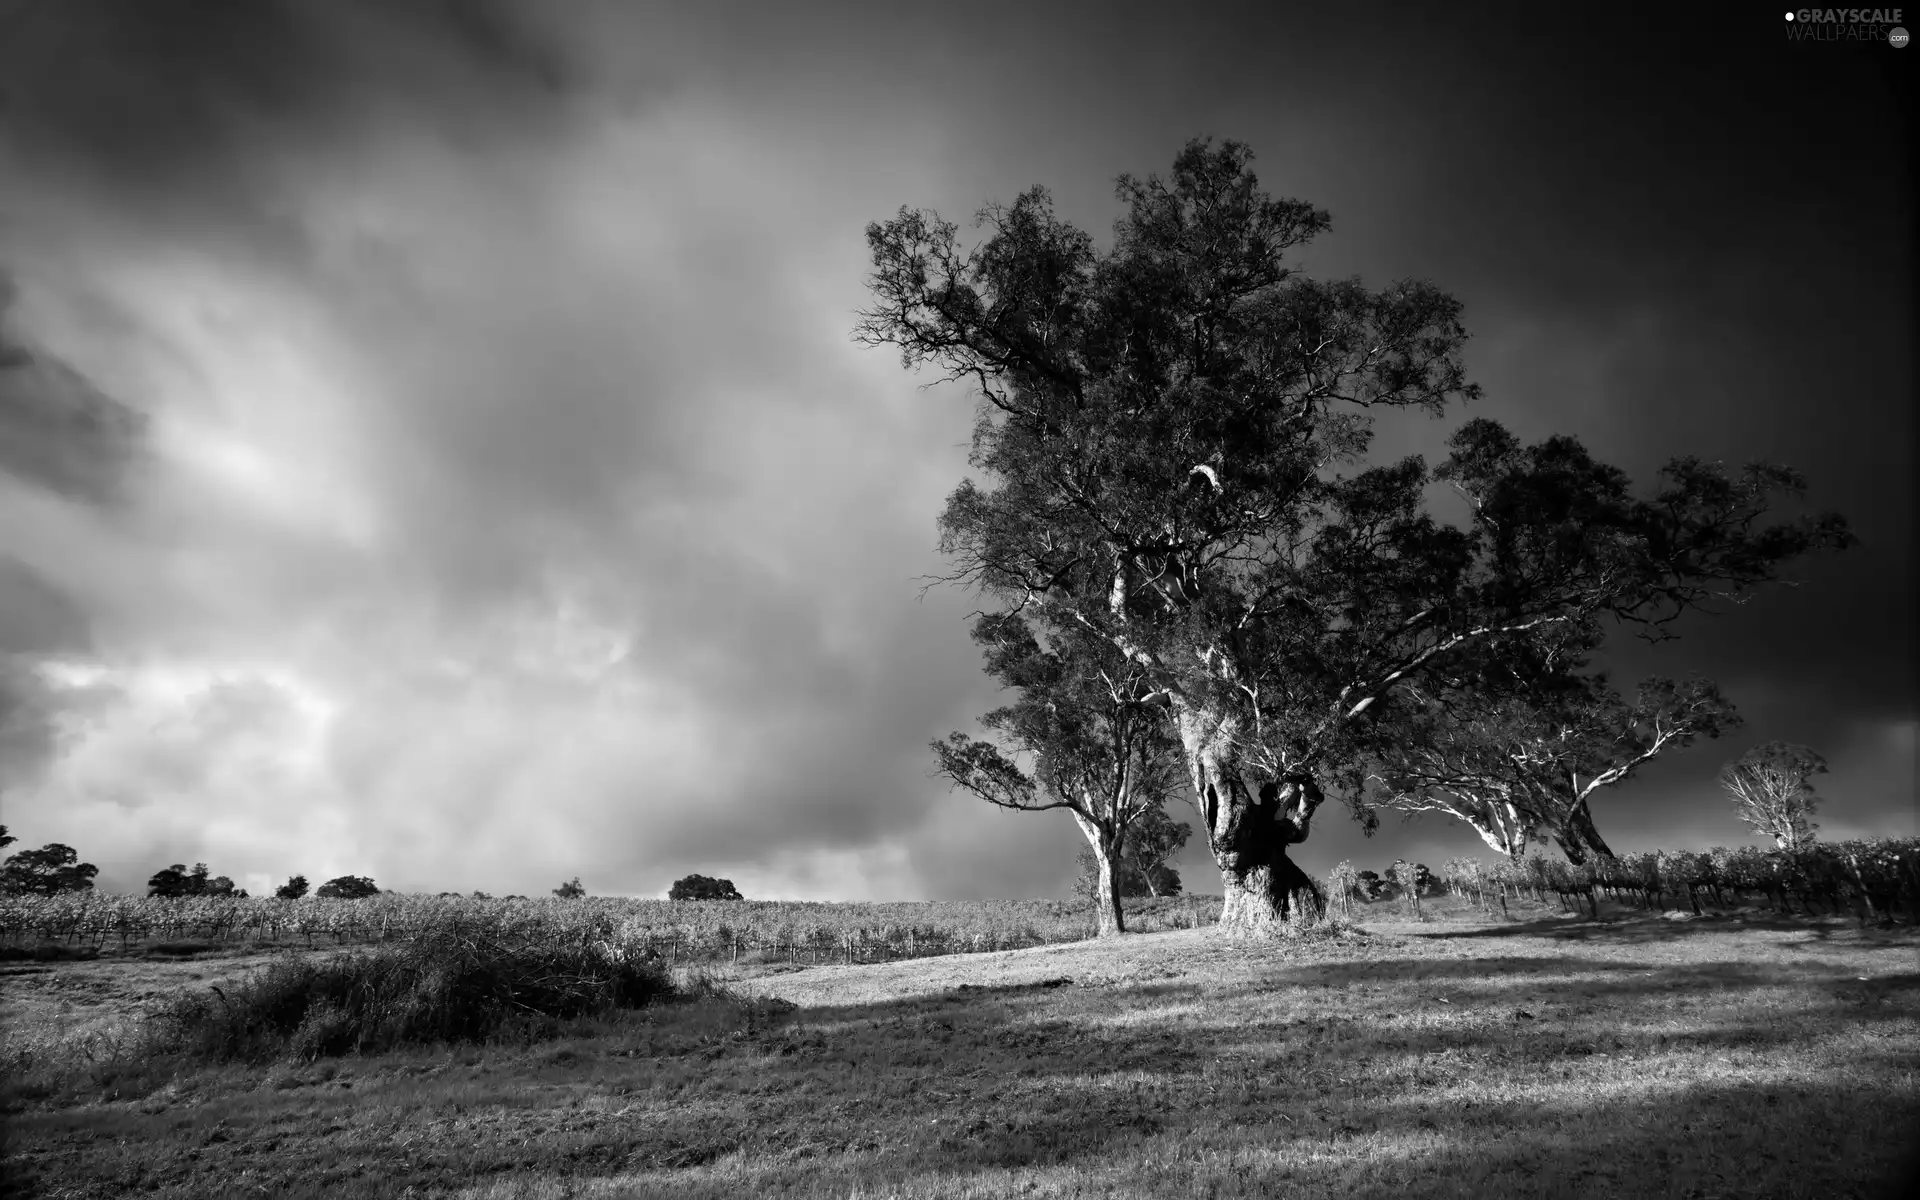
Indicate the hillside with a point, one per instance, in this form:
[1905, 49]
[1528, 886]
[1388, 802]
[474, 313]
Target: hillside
[1640, 1056]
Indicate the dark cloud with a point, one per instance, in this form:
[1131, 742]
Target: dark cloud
[57, 430]
[514, 506]
[159, 94]
[36, 616]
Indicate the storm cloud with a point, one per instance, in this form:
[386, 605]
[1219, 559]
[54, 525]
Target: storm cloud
[431, 446]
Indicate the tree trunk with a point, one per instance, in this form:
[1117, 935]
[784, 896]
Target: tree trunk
[1578, 838]
[1248, 830]
[1249, 835]
[1106, 854]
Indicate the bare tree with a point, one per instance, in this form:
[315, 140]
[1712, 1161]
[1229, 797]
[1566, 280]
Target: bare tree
[1098, 741]
[1770, 790]
[1162, 426]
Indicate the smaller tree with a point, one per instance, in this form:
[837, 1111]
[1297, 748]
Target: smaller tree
[570, 890]
[1414, 880]
[1770, 791]
[48, 871]
[6, 839]
[1369, 885]
[1152, 839]
[347, 887]
[1343, 881]
[294, 888]
[1128, 880]
[699, 887]
[480, 895]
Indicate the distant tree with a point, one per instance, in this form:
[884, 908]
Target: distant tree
[1343, 883]
[1412, 876]
[48, 871]
[571, 890]
[699, 887]
[1370, 886]
[6, 839]
[294, 888]
[176, 881]
[1128, 880]
[1152, 839]
[1414, 880]
[480, 895]
[348, 887]
[1770, 789]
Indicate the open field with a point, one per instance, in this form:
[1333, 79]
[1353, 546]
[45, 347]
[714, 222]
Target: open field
[1707, 1059]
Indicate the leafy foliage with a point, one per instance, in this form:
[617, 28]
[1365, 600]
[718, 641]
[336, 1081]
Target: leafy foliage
[1129, 880]
[176, 881]
[570, 890]
[1517, 739]
[1161, 429]
[48, 871]
[348, 887]
[1100, 747]
[294, 888]
[699, 887]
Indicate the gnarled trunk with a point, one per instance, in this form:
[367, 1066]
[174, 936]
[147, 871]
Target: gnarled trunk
[1249, 832]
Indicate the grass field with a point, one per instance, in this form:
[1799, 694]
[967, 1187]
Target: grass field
[1706, 1059]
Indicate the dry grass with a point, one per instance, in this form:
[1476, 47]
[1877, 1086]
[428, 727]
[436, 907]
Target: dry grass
[1548, 1057]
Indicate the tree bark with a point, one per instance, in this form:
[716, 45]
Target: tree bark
[1106, 900]
[1578, 838]
[1249, 832]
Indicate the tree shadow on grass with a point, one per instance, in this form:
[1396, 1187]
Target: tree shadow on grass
[1365, 1076]
[1649, 927]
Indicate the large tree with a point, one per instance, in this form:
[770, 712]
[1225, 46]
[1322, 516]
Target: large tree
[1161, 430]
[1518, 741]
[1094, 730]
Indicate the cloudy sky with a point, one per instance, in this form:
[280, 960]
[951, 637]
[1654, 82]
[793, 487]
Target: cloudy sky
[431, 446]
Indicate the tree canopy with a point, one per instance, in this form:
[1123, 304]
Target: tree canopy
[347, 887]
[1086, 718]
[48, 871]
[176, 880]
[1517, 739]
[1172, 437]
[699, 887]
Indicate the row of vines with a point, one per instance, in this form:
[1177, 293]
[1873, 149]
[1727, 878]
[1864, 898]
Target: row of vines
[675, 930]
[1873, 879]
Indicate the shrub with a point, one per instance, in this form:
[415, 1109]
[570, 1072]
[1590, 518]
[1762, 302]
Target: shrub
[437, 990]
